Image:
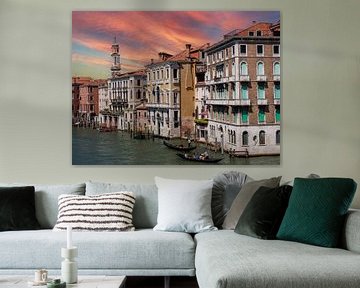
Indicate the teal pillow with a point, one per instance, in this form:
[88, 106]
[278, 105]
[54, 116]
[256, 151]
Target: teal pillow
[316, 211]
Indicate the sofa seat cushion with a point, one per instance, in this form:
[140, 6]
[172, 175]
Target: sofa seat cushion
[226, 259]
[142, 249]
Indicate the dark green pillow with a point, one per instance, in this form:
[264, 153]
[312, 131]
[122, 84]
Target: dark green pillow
[17, 208]
[316, 211]
[264, 212]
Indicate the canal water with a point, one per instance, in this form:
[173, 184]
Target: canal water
[91, 147]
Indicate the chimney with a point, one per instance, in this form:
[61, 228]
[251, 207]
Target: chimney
[188, 48]
[152, 61]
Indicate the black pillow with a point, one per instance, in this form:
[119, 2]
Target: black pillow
[17, 208]
[263, 214]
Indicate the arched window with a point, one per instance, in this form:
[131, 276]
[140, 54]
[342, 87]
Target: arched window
[243, 68]
[233, 69]
[276, 68]
[260, 68]
[278, 137]
[245, 138]
[262, 137]
[244, 91]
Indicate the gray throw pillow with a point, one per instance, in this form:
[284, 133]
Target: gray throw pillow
[184, 205]
[242, 199]
[226, 187]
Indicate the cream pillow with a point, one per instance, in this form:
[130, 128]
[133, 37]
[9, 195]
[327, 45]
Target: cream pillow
[184, 205]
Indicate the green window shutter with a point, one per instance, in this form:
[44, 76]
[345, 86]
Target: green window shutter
[260, 68]
[277, 91]
[244, 116]
[243, 69]
[277, 69]
[277, 114]
[261, 91]
[244, 92]
[261, 115]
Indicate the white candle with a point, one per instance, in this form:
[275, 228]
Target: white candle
[69, 239]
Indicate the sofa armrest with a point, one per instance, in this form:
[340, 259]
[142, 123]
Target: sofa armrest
[351, 234]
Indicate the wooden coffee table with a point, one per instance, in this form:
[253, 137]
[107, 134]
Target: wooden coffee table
[84, 281]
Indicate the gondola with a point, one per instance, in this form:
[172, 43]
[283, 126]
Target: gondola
[199, 159]
[179, 147]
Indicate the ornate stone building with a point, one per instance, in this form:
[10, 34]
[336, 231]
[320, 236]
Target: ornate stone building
[243, 90]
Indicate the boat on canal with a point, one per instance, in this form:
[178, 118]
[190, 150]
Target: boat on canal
[179, 147]
[199, 158]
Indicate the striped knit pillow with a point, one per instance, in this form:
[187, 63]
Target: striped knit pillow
[105, 212]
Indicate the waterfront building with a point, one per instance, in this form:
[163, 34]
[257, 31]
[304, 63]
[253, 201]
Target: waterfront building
[243, 90]
[125, 91]
[104, 104]
[142, 120]
[171, 93]
[89, 103]
[201, 111]
[76, 83]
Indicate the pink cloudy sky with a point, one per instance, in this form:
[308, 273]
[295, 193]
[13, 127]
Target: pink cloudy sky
[142, 35]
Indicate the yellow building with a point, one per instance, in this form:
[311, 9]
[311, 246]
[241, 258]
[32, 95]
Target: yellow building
[171, 93]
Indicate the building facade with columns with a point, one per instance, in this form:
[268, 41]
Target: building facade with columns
[243, 90]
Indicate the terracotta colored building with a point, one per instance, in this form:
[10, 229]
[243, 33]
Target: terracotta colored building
[243, 90]
[89, 102]
[76, 83]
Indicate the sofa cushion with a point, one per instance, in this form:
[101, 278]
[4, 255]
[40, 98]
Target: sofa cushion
[17, 208]
[146, 205]
[184, 205]
[225, 259]
[105, 212]
[226, 187]
[134, 251]
[263, 214]
[243, 198]
[317, 209]
[46, 200]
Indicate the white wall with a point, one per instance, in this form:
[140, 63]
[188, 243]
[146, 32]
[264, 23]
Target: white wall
[320, 90]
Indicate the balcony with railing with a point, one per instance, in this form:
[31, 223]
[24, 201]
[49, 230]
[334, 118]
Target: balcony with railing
[244, 78]
[240, 102]
[163, 105]
[200, 68]
[261, 78]
[262, 101]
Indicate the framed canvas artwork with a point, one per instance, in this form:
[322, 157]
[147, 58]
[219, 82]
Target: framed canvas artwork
[176, 88]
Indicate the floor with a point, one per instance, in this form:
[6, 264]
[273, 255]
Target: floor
[158, 282]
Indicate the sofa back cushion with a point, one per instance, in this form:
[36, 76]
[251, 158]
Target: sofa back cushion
[146, 204]
[225, 189]
[46, 200]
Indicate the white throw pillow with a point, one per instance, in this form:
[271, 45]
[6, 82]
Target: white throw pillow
[105, 212]
[184, 205]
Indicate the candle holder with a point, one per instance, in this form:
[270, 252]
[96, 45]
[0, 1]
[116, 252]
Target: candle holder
[69, 271]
